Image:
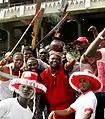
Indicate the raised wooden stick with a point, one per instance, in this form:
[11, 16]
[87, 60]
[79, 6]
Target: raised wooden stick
[25, 32]
[53, 30]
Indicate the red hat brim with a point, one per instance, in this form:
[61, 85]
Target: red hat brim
[95, 82]
[78, 42]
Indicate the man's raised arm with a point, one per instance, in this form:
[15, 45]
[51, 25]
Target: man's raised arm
[92, 49]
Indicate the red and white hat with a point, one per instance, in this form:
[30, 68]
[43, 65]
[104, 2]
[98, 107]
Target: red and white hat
[27, 78]
[96, 84]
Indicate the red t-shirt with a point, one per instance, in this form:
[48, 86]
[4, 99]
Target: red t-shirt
[59, 93]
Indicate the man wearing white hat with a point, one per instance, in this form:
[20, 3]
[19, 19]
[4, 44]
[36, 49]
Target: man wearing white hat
[17, 108]
[85, 105]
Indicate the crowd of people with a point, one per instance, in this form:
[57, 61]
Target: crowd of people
[54, 84]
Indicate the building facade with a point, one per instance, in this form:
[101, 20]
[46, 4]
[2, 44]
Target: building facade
[15, 16]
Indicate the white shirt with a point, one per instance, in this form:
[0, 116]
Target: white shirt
[85, 101]
[88, 66]
[4, 86]
[76, 67]
[84, 66]
[4, 90]
[11, 109]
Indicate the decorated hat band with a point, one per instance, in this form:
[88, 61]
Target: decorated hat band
[28, 78]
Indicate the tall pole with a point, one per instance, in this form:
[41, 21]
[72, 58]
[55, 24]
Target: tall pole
[25, 32]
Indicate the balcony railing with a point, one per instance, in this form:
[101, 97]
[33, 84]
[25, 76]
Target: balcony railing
[12, 3]
[77, 6]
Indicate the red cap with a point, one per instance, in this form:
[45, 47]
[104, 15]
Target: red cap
[82, 39]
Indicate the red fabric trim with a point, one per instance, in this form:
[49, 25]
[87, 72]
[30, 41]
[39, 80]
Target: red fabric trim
[100, 54]
[61, 87]
[85, 93]
[89, 109]
[73, 110]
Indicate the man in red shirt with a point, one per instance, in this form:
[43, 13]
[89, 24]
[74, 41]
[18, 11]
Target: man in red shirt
[59, 93]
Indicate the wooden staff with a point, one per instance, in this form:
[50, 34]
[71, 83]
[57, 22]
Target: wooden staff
[37, 24]
[62, 15]
[65, 10]
[54, 29]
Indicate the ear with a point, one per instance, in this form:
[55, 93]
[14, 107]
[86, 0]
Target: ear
[19, 90]
[33, 94]
[49, 60]
[20, 87]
